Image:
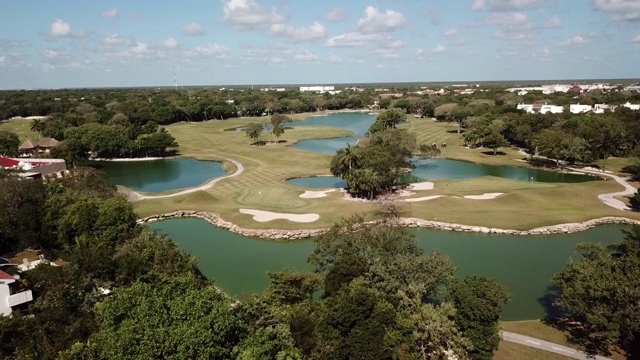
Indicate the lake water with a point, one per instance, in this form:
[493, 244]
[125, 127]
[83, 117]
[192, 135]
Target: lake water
[525, 264]
[160, 175]
[357, 122]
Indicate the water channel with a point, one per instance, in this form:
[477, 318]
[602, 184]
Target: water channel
[239, 264]
[525, 264]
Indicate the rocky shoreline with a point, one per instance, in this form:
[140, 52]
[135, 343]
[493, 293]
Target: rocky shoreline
[277, 234]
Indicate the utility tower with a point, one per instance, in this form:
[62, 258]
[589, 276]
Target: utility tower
[175, 80]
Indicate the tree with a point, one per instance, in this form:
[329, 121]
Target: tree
[37, 125]
[254, 130]
[601, 295]
[388, 119]
[277, 122]
[9, 143]
[479, 301]
[428, 151]
[176, 318]
[635, 201]
[71, 150]
[495, 141]
[344, 160]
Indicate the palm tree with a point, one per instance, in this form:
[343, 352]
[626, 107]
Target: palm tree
[37, 125]
[345, 160]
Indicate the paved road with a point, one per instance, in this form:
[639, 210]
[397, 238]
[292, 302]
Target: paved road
[609, 199]
[135, 196]
[548, 346]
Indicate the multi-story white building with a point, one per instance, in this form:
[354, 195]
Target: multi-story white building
[577, 108]
[8, 297]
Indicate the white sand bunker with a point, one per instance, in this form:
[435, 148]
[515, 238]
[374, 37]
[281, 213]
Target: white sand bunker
[264, 216]
[315, 194]
[424, 198]
[486, 196]
[425, 185]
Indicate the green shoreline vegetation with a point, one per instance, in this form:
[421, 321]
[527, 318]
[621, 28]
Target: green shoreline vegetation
[374, 303]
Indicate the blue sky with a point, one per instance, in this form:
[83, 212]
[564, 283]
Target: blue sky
[73, 43]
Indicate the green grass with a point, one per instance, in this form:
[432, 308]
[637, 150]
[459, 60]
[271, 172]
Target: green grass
[511, 351]
[262, 185]
[22, 127]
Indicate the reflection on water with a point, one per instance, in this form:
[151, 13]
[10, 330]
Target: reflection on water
[525, 264]
[160, 175]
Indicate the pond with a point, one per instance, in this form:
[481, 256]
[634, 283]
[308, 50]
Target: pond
[433, 169]
[525, 264]
[160, 175]
[357, 122]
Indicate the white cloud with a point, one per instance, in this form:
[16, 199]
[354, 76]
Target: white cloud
[394, 44]
[386, 53]
[622, 10]
[313, 32]
[508, 19]
[277, 60]
[305, 55]
[60, 28]
[46, 67]
[115, 39]
[375, 21]
[134, 15]
[511, 5]
[112, 14]
[636, 39]
[553, 22]
[193, 29]
[141, 49]
[576, 41]
[478, 5]
[247, 15]
[335, 59]
[419, 52]
[451, 32]
[336, 15]
[439, 49]
[214, 50]
[353, 39]
[170, 43]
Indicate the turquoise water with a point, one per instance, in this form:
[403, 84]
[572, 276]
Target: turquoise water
[433, 169]
[525, 264]
[357, 122]
[160, 175]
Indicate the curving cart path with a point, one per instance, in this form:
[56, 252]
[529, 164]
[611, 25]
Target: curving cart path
[549, 346]
[610, 199]
[136, 196]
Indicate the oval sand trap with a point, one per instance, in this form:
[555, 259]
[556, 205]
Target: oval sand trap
[315, 194]
[264, 216]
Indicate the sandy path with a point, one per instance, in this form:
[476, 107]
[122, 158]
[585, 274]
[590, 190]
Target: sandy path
[609, 199]
[136, 196]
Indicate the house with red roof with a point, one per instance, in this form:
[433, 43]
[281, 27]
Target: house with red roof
[9, 298]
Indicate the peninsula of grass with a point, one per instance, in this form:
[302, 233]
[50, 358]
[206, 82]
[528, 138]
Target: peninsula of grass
[262, 185]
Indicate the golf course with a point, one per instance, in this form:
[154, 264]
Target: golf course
[261, 185]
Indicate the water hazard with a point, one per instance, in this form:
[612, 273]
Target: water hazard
[525, 264]
[160, 175]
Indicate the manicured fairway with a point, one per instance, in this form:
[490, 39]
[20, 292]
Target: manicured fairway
[262, 185]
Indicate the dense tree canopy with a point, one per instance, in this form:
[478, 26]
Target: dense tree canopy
[601, 295]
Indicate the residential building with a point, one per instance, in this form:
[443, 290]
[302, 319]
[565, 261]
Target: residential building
[554, 109]
[319, 89]
[577, 108]
[528, 108]
[9, 298]
[631, 106]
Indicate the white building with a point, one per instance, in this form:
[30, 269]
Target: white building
[8, 297]
[577, 108]
[601, 108]
[319, 89]
[631, 106]
[554, 109]
[528, 108]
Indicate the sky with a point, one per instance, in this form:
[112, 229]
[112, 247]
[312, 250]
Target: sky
[125, 43]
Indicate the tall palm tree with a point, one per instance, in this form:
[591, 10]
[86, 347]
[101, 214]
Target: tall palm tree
[37, 125]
